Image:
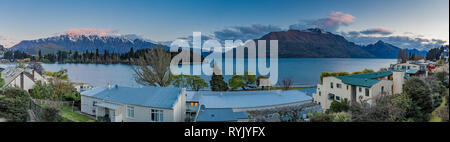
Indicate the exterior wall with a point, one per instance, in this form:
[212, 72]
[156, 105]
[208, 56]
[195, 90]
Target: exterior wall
[398, 79]
[179, 109]
[346, 93]
[27, 82]
[87, 105]
[375, 90]
[141, 113]
[38, 76]
[325, 88]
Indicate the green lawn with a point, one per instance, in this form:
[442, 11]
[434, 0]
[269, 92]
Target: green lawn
[67, 113]
[435, 118]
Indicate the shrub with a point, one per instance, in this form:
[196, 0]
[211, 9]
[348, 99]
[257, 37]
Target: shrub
[420, 94]
[50, 114]
[14, 104]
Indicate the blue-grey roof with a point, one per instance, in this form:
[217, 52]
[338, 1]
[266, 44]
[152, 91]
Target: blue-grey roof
[220, 115]
[246, 99]
[364, 79]
[159, 97]
[411, 71]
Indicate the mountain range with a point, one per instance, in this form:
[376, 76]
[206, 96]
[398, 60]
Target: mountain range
[82, 43]
[310, 43]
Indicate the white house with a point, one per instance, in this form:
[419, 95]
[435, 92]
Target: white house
[359, 87]
[127, 104]
[21, 78]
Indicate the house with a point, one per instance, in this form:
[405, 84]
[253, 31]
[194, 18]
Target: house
[81, 87]
[21, 78]
[231, 105]
[127, 104]
[220, 115]
[358, 88]
[413, 68]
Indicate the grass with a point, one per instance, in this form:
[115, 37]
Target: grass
[434, 117]
[67, 113]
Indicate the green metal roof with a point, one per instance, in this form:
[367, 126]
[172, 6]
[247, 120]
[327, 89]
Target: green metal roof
[365, 79]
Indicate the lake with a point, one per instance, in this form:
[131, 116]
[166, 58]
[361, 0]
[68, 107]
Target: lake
[304, 71]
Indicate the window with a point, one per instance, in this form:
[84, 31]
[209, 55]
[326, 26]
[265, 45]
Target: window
[130, 112]
[338, 85]
[157, 115]
[331, 84]
[338, 98]
[382, 89]
[320, 93]
[347, 87]
[367, 92]
[331, 96]
[360, 89]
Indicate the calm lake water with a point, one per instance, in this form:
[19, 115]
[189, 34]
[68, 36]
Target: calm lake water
[304, 71]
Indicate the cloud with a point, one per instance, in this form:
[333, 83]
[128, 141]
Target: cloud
[374, 31]
[245, 32]
[91, 31]
[330, 23]
[402, 41]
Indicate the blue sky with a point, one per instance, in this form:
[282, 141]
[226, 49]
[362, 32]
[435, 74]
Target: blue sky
[165, 20]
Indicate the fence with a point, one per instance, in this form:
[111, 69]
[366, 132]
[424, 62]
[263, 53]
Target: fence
[53, 103]
[37, 109]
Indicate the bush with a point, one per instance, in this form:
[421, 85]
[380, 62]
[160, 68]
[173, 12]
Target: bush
[339, 106]
[342, 117]
[14, 104]
[420, 94]
[50, 114]
[321, 117]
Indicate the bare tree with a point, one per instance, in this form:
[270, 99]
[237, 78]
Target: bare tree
[287, 83]
[153, 69]
[36, 66]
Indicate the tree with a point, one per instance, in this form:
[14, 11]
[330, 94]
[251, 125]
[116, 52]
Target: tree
[217, 83]
[196, 83]
[153, 69]
[402, 56]
[420, 94]
[36, 66]
[42, 90]
[442, 76]
[236, 82]
[239, 81]
[383, 109]
[180, 81]
[187, 81]
[287, 83]
[14, 104]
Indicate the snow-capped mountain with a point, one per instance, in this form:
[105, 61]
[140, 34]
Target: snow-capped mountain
[81, 43]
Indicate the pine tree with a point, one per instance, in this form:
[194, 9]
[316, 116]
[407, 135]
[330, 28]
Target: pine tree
[217, 82]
